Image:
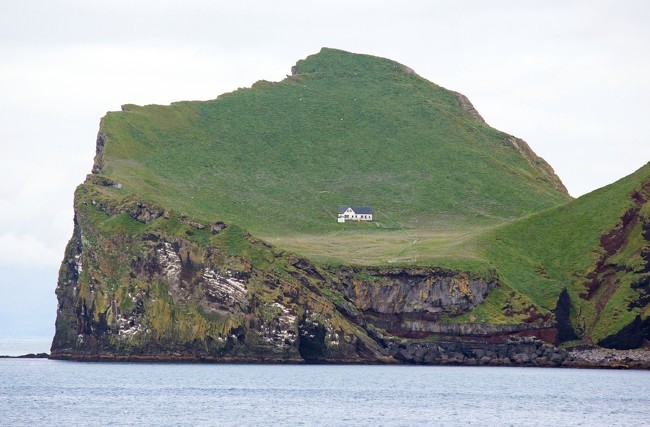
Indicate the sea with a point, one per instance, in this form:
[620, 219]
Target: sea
[41, 392]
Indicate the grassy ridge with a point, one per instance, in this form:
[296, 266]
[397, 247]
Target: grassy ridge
[279, 158]
[544, 253]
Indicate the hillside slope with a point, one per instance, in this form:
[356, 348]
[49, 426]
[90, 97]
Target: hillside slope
[278, 159]
[597, 248]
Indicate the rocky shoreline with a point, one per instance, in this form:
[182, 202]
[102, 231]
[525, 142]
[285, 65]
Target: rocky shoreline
[527, 351]
[517, 352]
[610, 358]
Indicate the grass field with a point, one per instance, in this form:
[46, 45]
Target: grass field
[405, 246]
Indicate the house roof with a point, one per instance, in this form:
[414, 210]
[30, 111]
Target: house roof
[359, 210]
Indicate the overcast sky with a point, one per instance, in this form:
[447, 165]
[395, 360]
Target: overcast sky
[569, 77]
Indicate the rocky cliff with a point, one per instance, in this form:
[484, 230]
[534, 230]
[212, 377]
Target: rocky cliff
[142, 283]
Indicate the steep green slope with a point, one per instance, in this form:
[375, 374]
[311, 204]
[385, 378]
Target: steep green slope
[597, 248]
[278, 159]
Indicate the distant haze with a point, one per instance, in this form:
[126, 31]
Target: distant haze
[570, 78]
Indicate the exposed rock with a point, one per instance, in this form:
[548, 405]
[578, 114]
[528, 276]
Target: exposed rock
[609, 358]
[224, 292]
[467, 106]
[526, 351]
[629, 337]
[143, 212]
[406, 290]
[98, 163]
[217, 227]
[537, 162]
[406, 301]
[27, 356]
[408, 70]
[562, 313]
[474, 330]
[279, 330]
[169, 262]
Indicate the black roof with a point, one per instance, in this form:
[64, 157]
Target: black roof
[359, 210]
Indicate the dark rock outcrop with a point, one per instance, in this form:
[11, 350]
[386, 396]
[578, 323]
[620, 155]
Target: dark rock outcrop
[98, 163]
[563, 318]
[629, 337]
[525, 351]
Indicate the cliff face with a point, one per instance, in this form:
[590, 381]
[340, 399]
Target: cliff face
[142, 283]
[162, 293]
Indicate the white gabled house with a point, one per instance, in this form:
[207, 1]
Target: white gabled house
[354, 213]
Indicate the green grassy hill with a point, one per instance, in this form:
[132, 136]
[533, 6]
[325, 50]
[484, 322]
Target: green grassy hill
[278, 159]
[596, 247]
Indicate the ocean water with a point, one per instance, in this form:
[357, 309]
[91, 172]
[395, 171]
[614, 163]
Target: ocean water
[45, 392]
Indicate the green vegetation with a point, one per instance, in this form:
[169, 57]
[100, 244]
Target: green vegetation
[542, 254]
[278, 159]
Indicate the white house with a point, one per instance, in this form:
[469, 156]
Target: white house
[355, 213]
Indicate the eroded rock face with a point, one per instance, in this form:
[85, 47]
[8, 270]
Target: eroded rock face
[280, 329]
[407, 301]
[224, 292]
[415, 291]
[170, 263]
[159, 297]
[144, 213]
[98, 163]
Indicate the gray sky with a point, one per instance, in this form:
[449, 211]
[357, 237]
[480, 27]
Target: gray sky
[569, 77]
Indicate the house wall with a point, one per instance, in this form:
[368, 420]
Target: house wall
[350, 215]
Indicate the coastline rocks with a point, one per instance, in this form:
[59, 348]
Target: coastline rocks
[526, 351]
[609, 358]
